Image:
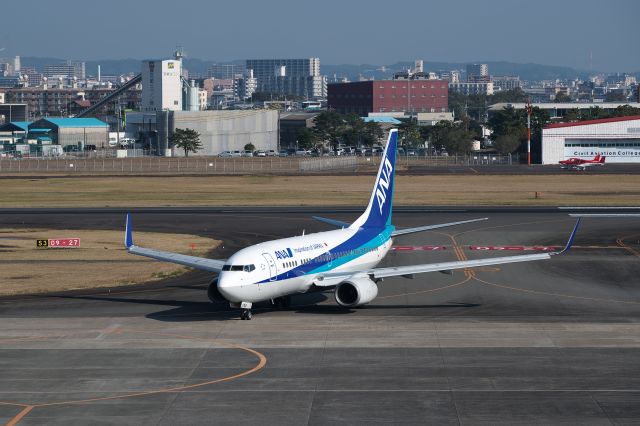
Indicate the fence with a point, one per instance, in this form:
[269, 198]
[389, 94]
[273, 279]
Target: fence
[145, 165]
[459, 160]
[328, 163]
[176, 165]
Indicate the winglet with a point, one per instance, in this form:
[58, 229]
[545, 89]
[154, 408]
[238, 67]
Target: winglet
[571, 238]
[128, 239]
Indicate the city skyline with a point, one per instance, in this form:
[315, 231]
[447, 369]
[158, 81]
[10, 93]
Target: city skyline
[544, 32]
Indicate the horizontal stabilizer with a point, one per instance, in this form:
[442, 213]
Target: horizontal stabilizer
[333, 222]
[430, 227]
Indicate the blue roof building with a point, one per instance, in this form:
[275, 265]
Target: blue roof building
[71, 131]
[385, 120]
[15, 126]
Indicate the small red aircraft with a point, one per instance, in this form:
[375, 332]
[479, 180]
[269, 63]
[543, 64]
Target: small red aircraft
[575, 163]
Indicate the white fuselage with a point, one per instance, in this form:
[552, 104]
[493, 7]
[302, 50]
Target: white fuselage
[291, 265]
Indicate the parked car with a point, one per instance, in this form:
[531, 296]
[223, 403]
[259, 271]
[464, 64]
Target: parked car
[225, 154]
[260, 154]
[271, 153]
[301, 152]
[236, 154]
[283, 153]
[246, 153]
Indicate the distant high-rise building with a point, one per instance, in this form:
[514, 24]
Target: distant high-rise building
[506, 82]
[246, 86]
[475, 88]
[67, 69]
[34, 78]
[298, 77]
[478, 73]
[418, 66]
[10, 66]
[225, 71]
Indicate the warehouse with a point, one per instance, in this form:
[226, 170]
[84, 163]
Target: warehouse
[616, 138]
[81, 132]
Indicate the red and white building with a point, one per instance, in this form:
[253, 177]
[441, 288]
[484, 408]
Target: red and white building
[616, 138]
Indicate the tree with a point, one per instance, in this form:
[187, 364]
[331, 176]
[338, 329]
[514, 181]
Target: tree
[249, 147]
[328, 126]
[10, 97]
[506, 144]
[458, 141]
[626, 110]
[372, 133]
[512, 96]
[187, 139]
[562, 97]
[409, 133]
[306, 138]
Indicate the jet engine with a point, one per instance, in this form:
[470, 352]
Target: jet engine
[214, 294]
[356, 292]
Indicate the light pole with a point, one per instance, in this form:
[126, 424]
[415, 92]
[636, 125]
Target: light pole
[529, 132]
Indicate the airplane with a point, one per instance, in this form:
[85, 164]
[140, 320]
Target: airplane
[343, 259]
[576, 163]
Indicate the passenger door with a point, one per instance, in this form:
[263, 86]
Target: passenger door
[273, 270]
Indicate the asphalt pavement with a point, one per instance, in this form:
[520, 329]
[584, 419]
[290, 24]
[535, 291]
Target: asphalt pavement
[551, 342]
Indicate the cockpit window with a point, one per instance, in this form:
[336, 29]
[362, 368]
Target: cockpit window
[245, 268]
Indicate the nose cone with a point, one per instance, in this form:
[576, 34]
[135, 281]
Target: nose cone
[229, 288]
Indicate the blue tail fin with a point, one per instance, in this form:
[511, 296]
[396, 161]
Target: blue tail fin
[378, 212]
[128, 239]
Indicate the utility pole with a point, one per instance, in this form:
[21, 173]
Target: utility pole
[529, 109]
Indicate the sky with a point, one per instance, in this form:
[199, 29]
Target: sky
[584, 34]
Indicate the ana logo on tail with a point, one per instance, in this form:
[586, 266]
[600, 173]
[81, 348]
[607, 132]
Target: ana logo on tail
[383, 183]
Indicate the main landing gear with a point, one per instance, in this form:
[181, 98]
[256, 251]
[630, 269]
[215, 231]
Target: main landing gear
[281, 302]
[245, 311]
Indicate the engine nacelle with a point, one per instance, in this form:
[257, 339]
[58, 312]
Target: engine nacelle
[356, 292]
[214, 294]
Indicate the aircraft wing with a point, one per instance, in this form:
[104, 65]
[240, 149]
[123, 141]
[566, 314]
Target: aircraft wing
[333, 278]
[430, 227]
[212, 265]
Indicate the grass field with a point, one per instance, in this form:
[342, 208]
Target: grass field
[100, 261]
[574, 189]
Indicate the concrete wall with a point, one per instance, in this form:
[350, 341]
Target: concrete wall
[98, 136]
[229, 130]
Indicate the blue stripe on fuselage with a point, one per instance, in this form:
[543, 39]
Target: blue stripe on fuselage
[363, 239]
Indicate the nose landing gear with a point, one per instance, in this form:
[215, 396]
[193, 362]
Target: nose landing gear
[245, 311]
